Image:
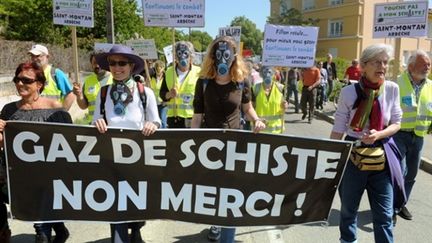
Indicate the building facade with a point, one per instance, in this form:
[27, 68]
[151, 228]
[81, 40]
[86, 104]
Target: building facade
[345, 26]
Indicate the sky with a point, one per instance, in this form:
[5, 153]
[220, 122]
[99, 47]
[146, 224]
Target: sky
[220, 13]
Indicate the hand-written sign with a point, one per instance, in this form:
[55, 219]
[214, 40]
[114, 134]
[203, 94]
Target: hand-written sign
[174, 13]
[400, 19]
[73, 12]
[292, 46]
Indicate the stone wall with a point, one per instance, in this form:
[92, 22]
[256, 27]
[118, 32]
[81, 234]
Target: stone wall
[14, 52]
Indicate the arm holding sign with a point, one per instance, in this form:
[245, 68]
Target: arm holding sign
[2, 126]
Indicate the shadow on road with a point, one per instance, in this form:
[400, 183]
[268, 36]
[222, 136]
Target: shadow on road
[200, 237]
[107, 240]
[23, 238]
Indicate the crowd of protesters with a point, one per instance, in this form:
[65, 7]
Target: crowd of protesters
[232, 93]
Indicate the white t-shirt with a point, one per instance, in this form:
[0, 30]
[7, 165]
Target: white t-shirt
[134, 115]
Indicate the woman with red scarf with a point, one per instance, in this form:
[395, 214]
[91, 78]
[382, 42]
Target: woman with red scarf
[369, 113]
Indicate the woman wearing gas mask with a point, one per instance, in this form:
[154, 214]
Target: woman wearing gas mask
[125, 103]
[220, 94]
[177, 88]
[269, 101]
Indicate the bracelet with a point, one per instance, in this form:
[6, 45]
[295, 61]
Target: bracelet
[259, 119]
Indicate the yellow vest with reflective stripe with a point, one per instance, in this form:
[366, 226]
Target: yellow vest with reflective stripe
[156, 86]
[185, 93]
[269, 108]
[91, 90]
[51, 90]
[417, 114]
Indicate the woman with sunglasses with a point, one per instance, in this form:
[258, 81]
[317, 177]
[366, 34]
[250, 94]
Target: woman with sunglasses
[29, 82]
[123, 108]
[221, 93]
[369, 112]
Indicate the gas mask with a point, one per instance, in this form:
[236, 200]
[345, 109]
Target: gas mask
[121, 97]
[267, 75]
[224, 57]
[183, 54]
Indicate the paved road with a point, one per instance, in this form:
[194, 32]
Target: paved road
[160, 231]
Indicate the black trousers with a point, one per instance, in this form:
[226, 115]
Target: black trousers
[178, 122]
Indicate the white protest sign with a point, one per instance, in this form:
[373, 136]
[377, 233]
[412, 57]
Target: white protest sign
[73, 12]
[292, 46]
[400, 19]
[168, 54]
[174, 13]
[146, 49]
[234, 31]
[102, 47]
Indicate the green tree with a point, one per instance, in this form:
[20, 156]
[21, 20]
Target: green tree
[250, 35]
[32, 20]
[199, 39]
[291, 17]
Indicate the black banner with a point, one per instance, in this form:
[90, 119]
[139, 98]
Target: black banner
[211, 176]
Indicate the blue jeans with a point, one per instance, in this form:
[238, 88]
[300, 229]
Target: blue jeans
[410, 147]
[292, 89]
[380, 193]
[227, 235]
[163, 110]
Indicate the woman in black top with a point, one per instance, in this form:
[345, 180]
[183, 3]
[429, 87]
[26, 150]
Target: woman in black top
[29, 82]
[221, 94]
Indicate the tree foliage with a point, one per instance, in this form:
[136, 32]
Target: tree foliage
[251, 36]
[32, 20]
[199, 39]
[291, 17]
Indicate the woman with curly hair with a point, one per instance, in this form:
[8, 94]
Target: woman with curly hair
[221, 93]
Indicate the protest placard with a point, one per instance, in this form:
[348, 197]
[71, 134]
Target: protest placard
[233, 31]
[102, 47]
[145, 48]
[73, 12]
[168, 54]
[174, 13]
[400, 19]
[212, 176]
[292, 46]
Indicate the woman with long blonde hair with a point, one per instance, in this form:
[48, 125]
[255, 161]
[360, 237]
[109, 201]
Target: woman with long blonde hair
[221, 93]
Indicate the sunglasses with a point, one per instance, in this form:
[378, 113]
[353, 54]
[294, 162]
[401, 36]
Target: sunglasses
[119, 63]
[23, 80]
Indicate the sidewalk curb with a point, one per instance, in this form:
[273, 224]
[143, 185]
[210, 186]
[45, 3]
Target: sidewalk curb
[425, 164]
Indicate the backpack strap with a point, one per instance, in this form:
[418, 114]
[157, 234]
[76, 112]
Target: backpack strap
[143, 96]
[53, 74]
[103, 93]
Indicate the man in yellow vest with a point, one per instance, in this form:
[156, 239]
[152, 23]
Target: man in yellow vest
[269, 100]
[416, 103]
[57, 85]
[178, 86]
[87, 94]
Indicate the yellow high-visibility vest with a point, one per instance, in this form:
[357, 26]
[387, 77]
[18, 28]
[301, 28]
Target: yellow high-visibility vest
[183, 103]
[417, 114]
[91, 90]
[156, 86]
[269, 107]
[51, 90]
